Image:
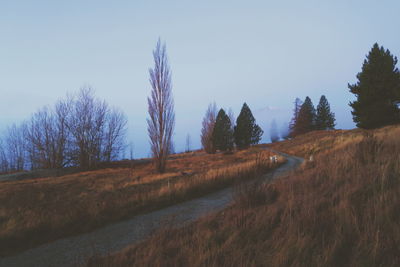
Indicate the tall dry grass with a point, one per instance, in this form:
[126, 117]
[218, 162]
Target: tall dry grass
[41, 210]
[342, 209]
[317, 142]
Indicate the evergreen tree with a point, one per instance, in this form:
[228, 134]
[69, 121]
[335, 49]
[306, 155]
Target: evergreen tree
[256, 134]
[306, 118]
[246, 132]
[296, 110]
[325, 119]
[222, 134]
[377, 90]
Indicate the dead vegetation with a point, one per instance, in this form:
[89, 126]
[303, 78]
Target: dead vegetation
[35, 211]
[342, 209]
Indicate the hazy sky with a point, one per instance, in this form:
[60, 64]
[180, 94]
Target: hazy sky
[263, 52]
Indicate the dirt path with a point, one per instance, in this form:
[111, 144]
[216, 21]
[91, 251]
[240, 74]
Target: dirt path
[74, 250]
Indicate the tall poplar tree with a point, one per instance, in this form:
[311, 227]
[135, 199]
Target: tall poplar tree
[161, 121]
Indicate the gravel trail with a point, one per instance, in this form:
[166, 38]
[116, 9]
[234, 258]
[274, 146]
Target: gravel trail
[73, 251]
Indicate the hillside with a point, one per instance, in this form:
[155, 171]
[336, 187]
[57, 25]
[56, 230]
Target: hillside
[341, 209]
[40, 210]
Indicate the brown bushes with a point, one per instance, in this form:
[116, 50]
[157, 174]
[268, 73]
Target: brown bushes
[342, 210]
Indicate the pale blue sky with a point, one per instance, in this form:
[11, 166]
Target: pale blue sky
[263, 52]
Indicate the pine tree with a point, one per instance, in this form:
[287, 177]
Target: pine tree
[306, 118]
[296, 110]
[325, 119]
[256, 134]
[246, 132]
[377, 90]
[222, 134]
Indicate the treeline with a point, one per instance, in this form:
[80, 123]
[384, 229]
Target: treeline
[306, 118]
[80, 130]
[219, 131]
[83, 130]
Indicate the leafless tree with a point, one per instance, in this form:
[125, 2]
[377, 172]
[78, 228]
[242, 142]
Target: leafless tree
[3, 158]
[46, 137]
[208, 128]
[79, 130]
[97, 132]
[85, 123]
[115, 130]
[63, 136]
[15, 148]
[161, 108]
[40, 137]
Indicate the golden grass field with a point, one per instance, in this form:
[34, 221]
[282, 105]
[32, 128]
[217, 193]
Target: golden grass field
[341, 209]
[36, 211]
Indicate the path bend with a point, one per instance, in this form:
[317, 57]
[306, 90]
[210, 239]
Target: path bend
[74, 250]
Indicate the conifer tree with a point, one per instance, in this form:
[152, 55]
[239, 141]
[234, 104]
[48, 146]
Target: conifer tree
[222, 134]
[377, 90]
[325, 119]
[296, 110]
[246, 132]
[256, 134]
[306, 118]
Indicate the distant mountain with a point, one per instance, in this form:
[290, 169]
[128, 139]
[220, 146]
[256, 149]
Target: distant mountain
[265, 115]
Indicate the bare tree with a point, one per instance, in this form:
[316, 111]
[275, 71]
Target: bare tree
[97, 132]
[161, 108]
[80, 130]
[63, 136]
[3, 158]
[46, 136]
[208, 128]
[15, 148]
[114, 142]
[40, 139]
[85, 123]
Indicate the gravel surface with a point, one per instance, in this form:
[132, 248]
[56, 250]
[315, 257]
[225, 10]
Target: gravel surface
[73, 251]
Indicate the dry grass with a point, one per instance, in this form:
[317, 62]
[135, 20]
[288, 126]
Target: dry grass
[40, 210]
[342, 209]
[313, 143]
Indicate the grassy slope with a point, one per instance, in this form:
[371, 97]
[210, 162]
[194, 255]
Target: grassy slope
[40, 210]
[342, 209]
